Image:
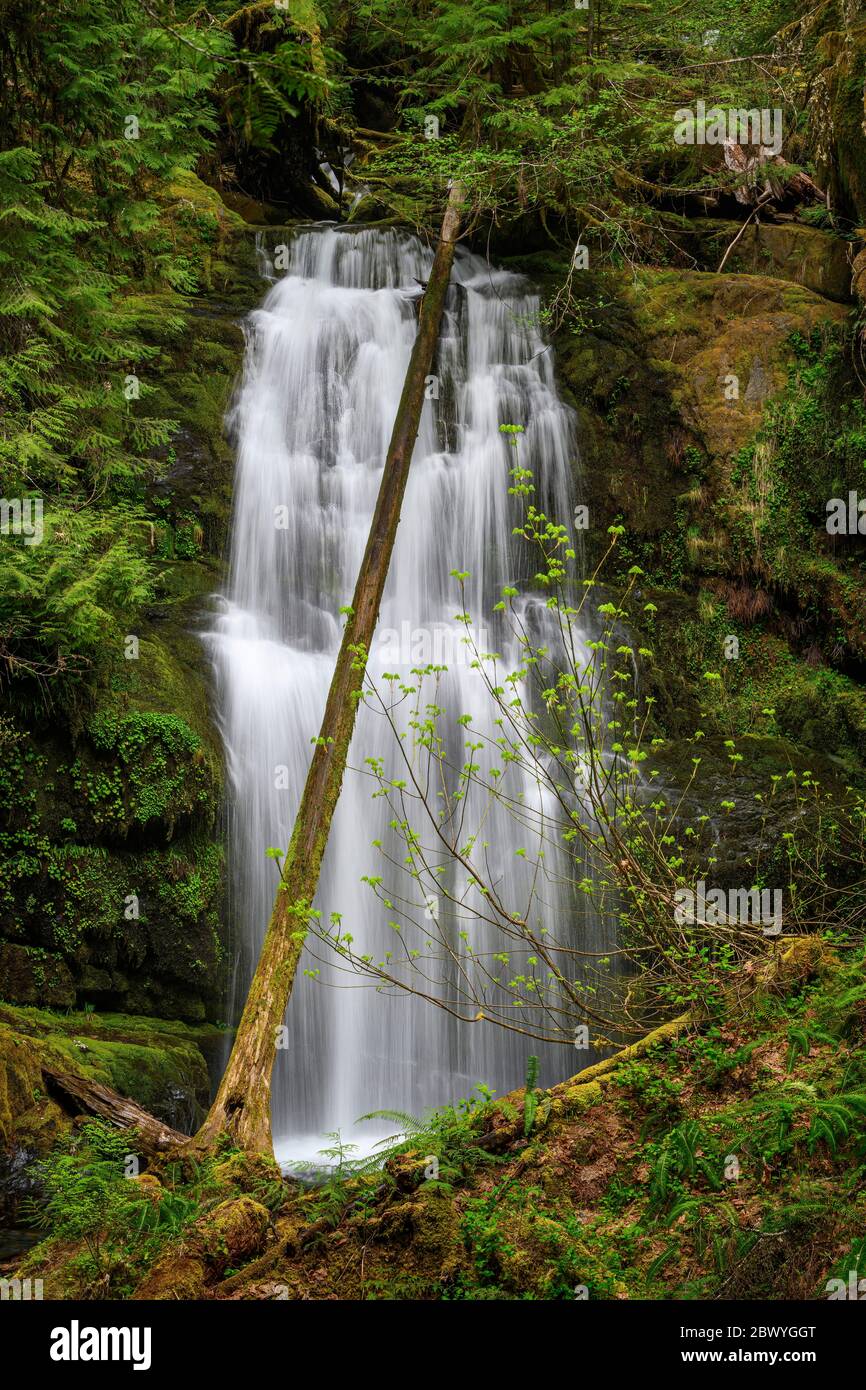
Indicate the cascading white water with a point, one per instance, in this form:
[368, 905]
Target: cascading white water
[325, 362]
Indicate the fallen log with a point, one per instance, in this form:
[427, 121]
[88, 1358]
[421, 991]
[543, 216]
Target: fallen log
[79, 1095]
[778, 178]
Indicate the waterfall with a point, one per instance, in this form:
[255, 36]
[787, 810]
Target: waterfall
[325, 361]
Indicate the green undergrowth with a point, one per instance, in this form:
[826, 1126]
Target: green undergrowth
[727, 1160]
[112, 878]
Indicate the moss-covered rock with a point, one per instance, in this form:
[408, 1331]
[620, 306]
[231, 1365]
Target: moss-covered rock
[724, 344]
[230, 1234]
[671, 372]
[111, 868]
[367, 209]
[834, 33]
[816, 259]
[103, 899]
[33, 975]
[717, 415]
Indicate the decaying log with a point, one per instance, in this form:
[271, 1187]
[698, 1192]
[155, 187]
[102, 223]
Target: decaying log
[766, 181]
[80, 1095]
[585, 1087]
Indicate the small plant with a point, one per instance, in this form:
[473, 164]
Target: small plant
[449, 1134]
[86, 1199]
[530, 1104]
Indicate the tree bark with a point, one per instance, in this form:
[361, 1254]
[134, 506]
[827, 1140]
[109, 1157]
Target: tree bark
[81, 1096]
[242, 1105]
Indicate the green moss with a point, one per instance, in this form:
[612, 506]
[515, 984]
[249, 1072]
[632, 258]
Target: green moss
[157, 1063]
[125, 923]
[157, 772]
[199, 227]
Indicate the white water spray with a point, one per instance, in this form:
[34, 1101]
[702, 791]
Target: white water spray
[325, 362]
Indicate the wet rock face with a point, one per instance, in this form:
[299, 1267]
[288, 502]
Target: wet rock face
[738, 815]
[817, 260]
[671, 373]
[710, 407]
[33, 976]
[18, 1182]
[838, 104]
[111, 889]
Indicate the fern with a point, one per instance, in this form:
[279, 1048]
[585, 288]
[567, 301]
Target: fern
[798, 1043]
[530, 1103]
[410, 1124]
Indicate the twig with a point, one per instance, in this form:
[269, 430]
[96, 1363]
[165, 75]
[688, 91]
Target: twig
[760, 203]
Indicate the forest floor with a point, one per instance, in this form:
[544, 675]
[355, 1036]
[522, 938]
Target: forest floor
[721, 1158]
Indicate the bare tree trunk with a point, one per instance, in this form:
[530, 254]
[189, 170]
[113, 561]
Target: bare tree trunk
[242, 1105]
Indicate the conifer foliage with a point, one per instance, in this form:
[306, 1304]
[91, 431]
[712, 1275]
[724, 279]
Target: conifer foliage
[98, 107]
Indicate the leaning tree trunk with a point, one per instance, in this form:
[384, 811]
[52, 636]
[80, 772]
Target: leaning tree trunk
[242, 1105]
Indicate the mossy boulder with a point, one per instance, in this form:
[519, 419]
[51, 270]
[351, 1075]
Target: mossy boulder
[254, 212]
[202, 226]
[794, 960]
[723, 344]
[367, 209]
[323, 205]
[228, 1235]
[670, 372]
[112, 876]
[816, 259]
